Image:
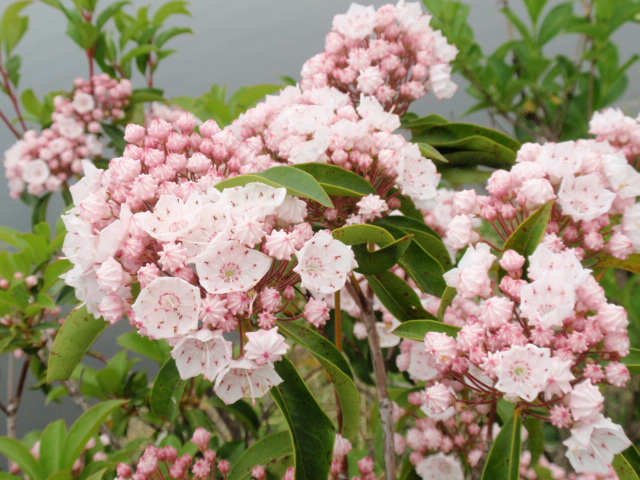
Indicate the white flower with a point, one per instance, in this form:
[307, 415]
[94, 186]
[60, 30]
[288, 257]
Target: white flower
[324, 263]
[440, 467]
[168, 307]
[230, 267]
[418, 177]
[204, 352]
[243, 378]
[523, 371]
[83, 102]
[265, 346]
[593, 445]
[35, 172]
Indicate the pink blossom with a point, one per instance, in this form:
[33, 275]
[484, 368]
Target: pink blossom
[265, 347]
[243, 378]
[203, 352]
[585, 401]
[523, 371]
[440, 467]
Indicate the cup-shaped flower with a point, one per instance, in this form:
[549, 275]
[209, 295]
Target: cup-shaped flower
[324, 263]
[265, 346]
[203, 352]
[523, 371]
[168, 307]
[243, 378]
[230, 267]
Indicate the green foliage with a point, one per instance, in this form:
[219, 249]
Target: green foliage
[503, 462]
[72, 343]
[417, 329]
[310, 430]
[262, 452]
[167, 392]
[524, 83]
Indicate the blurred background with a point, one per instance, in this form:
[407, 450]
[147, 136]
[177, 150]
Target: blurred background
[235, 43]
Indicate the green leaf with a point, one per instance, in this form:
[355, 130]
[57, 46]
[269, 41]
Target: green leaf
[536, 438]
[8, 476]
[167, 391]
[527, 236]
[262, 452]
[535, 8]
[156, 350]
[14, 25]
[632, 361]
[504, 457]
[311, 432]
[52, 442]
[297, 183]
[459, 176]
[338, 370]
[109, 12]
[85, 428]
[557, 18]
[425, 270]
[627, 464]
[418, 124]
[417, 329]
[429, 152]
[379, 261]
[242, 411]
[396, 294]
[363, 233]
[136, 52]
[75, 337]
[19, 453]
[84, 34]
[246, 97]
[141, 95]
[447, 297]
[177, 7]
[166, 35]
[447, 135]
[116, 135]
[631, 264]
[337, 181]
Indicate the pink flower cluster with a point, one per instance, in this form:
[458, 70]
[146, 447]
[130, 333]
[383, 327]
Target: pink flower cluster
[323, 126]
[544, 342]
[157, 462]
[391, 54]
[205, 260]
[612, 126]
[593, 188]
[40, 163]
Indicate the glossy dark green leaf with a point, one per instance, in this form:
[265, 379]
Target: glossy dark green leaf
[167, 391]
[337, 181]
[338, 370]
[430, 152]
[447, 297]
[447, 135]
[311, 432]
[527, 236]
[262, 452]
[417, 329]
[364, 233]
[86, 427]
[503, 462]
[397, 296]
[241, 411]
[535, 441]
[156, 350]
[381, 260]
[75, 337]
[297, 183]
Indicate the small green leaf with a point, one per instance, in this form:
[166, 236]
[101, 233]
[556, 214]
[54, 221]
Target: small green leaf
[52, 442]
[246, 97]
[536, 438]
[84, 34]
[552, 25]
[337, 181]
[379, 261]
[262, 452]
[167, 391]
[297, 183]
[75, 337]
[86, 427]
[147, 94]
[631, 264]
[166, 35]
[363, 233]
[156, 350]
[397, 296]
[109, 12]
[19, 453]
[338, 370]
[527, 236]
[504, 457]
[429, 152]
[447, 297]
[176, 7]
[311, 432]
[417, 329]
[14, 25]
[627, 464]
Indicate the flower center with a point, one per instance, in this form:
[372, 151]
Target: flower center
[169, 302]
